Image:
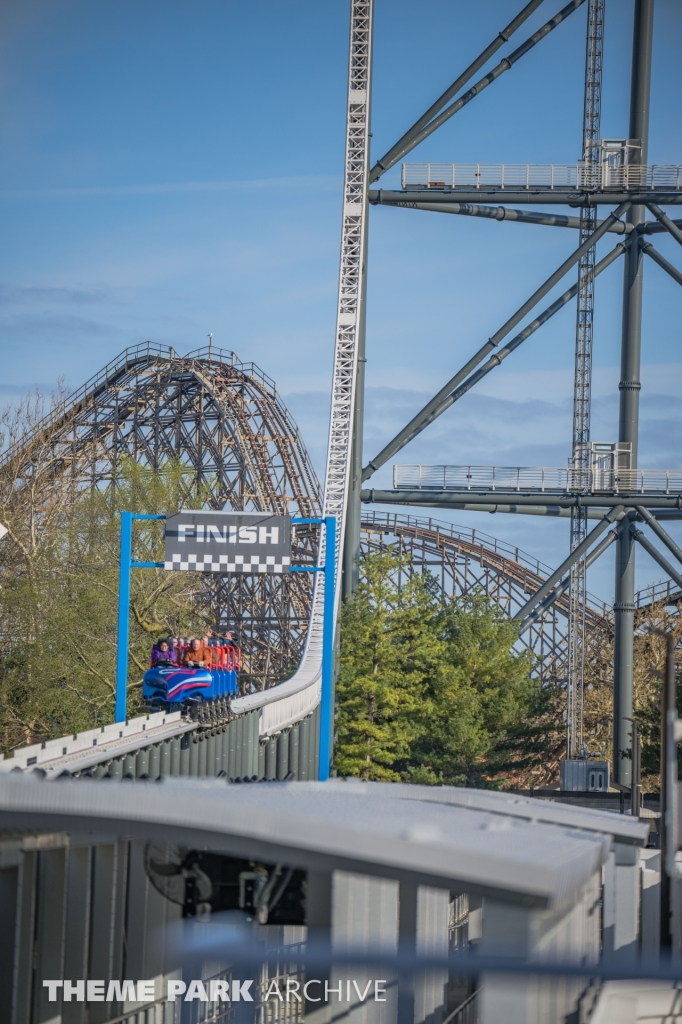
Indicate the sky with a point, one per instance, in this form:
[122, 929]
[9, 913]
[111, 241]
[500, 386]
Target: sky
[170, 169]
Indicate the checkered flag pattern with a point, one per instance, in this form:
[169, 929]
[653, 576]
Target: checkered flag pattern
[226, 563]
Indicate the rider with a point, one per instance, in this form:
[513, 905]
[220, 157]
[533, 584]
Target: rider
[196, 655]
[163, 654]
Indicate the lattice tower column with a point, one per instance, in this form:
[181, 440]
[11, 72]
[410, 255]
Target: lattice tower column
[583, 376]
[350, 311]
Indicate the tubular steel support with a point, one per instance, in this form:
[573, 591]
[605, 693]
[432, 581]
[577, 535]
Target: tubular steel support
[656, 256]
[554, 220]
[650, 227]
[433, 408]
[505, 65]
[556, 576]
[553, 511]
[629, 387]
[555, 594]
[666, 222]
[448, 499]
[657, 556]
[527, 196]
[532, 327]
[660, 532]
[406, 143]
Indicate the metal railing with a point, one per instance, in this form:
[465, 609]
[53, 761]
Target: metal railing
[537, 478]
[467, 1012]
[655, 592]
[564, 177]
[129, 358]
[399, 524]
[289, 976]
[158, 1012]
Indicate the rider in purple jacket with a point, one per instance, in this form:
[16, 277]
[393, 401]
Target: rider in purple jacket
[164, 654]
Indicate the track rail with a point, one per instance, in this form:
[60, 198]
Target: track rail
[521, 570]
[298, 696]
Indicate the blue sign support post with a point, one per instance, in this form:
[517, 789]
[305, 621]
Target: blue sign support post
[125, 566]
[329, 569]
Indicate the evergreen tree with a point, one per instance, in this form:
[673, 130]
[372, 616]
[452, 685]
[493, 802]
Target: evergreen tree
[433, 691]
[387, 655]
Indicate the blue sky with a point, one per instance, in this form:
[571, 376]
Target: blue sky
[170, 169]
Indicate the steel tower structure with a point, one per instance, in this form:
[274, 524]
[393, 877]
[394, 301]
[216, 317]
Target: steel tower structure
[591, 150]
[629, 186]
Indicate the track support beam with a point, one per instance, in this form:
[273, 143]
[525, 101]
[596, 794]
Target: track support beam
[434, 408]
[629, 387]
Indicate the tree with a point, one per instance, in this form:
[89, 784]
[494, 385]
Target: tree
[59, 602]
[432, 691]
[384, 664]
[486, 718]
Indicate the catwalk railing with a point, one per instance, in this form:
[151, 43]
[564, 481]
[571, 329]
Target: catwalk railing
[537, 478]
[564, 177]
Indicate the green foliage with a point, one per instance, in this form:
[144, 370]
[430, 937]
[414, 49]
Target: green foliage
[385, 663]
[432, 691]
[59, 605]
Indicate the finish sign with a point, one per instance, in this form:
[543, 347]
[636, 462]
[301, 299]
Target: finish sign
[227, 542]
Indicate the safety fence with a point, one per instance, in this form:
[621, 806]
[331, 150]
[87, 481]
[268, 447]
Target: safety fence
[562, 177]
[538, 478]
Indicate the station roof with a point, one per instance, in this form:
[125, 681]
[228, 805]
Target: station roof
[386, 830]
[621, 827]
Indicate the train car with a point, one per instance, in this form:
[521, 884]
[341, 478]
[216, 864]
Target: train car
[175, 684]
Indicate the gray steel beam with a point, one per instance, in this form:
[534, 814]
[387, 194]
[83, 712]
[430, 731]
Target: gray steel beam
[661, 533]
[665, 222]
[656, 256]
[553, 511]
[657, 556]
[405, 144]
[553, 197]
[555, 594]
[505, 65]
[629, 387]
[447, 499]
[577, 553]
[532, 327]
[650, 227]
[433, 409]
[554, 220]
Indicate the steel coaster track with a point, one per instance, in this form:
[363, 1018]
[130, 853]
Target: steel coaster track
[294, 699]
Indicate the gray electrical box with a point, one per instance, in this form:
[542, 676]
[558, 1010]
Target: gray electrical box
[583, 776]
